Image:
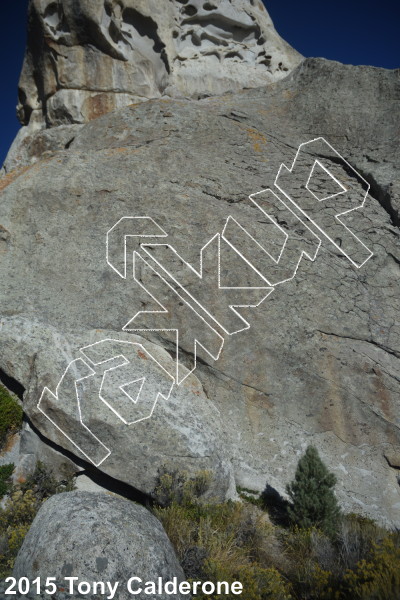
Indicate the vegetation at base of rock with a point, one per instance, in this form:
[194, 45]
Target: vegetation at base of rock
[219, 542]
[251, 496]
[15, 520]
[313, 500]
[20, 509]
[5, 478]
[236, 541]
[175, 487]
[378, 576]
[44, 484]
[10, 414]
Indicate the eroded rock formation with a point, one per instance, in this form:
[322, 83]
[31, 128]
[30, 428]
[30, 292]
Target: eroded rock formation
[84, 59]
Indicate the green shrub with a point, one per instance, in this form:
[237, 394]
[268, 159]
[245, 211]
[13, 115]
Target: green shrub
[225, 542]
[375, 578]
[355, 538]
[5, 478]
[10, 414]
[312, 561]
[228, 541]
[313, 501]
[316, 569]
[258, 583]
[177, 487]
[262, 584]
[20, 510]
[251, 496]
[15, 520]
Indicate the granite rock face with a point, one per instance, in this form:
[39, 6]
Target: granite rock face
[97, 537]
[320, 361]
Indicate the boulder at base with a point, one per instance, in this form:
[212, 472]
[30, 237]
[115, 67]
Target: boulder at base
[97, 537]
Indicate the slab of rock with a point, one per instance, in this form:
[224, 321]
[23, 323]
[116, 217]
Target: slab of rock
[108, 430]
[97, 537]
[320, 361]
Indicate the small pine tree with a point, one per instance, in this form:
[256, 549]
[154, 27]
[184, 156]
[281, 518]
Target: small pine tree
[313, 501]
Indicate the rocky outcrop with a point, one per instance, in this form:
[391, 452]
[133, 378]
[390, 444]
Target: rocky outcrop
[88, 58]
[319, 363]
[97, 538]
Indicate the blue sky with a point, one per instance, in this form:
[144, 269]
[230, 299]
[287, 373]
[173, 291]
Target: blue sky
[350, 31]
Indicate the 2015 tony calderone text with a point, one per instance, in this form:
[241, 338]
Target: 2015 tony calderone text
[135, 585]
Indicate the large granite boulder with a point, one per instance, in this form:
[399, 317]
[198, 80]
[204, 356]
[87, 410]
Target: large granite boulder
[319, 363]
[97, 538]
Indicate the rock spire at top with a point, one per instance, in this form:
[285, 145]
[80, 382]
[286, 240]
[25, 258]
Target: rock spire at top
[85, 58]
